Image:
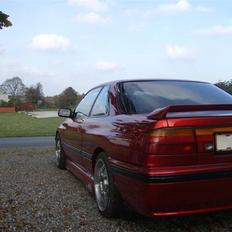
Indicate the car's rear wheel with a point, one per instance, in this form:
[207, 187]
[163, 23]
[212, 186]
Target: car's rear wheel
[107, 197]
[60, 157]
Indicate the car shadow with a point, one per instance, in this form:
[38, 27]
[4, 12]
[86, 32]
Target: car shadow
[196, 222]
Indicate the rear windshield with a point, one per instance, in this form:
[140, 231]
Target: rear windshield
[146, 96]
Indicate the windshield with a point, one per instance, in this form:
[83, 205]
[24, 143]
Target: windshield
[146, 96]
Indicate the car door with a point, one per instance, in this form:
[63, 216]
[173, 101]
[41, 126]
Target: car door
[74, 131]
[94, 127]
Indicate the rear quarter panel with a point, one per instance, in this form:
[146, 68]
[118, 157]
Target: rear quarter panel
[120, 136]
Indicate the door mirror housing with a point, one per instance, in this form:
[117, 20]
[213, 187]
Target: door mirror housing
[65, 113]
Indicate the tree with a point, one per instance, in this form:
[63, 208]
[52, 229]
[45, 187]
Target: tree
[4, 103]
[34, 94]
[13, 87]
[14, 101]
[68, 97]
[4, 22]
[225, 85]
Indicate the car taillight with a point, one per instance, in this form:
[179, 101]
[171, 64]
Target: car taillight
[172, 141]
[164, 145]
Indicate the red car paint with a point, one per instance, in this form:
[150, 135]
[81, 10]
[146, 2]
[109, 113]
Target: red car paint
[159, 163]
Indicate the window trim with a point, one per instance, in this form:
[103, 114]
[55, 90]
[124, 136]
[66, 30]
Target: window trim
[121, 99]
[108, 103]
[98, 87]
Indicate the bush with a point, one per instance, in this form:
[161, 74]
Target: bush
[5, 104]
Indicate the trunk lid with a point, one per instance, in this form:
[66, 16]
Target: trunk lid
[212, 128]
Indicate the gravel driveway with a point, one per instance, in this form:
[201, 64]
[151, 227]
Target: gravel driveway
[36, 196]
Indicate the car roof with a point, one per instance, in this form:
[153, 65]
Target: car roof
[142, 80]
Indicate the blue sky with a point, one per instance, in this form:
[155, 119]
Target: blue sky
[82, 43]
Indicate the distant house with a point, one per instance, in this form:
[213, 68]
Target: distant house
[4, 97]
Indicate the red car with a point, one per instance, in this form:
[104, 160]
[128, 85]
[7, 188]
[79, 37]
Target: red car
[164, 147]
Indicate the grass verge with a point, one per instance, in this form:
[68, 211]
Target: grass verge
[22, 125]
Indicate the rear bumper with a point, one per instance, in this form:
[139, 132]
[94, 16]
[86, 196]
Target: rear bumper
[175, 193]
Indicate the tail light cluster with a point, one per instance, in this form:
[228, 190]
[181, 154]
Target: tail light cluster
[167, 145]
[171, 141]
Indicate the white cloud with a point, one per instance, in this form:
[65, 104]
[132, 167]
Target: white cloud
[175, 52]
[179, 6]
[53, 81]
[219, 30]
[25, 71]
[28, 73]
[107, 66]
[50, 42]
[93, 5]
[36, 72]
[91, 18]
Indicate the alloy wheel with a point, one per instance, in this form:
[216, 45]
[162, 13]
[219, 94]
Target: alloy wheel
[101, 184]
[58, 152]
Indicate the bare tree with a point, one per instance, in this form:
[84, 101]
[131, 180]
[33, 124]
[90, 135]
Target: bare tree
[13, 87]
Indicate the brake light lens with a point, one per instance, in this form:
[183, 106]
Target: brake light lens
[172, 141]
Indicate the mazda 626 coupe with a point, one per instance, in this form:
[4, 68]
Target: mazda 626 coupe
[161, 147]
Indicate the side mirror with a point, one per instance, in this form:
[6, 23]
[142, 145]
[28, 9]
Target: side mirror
[65, 113]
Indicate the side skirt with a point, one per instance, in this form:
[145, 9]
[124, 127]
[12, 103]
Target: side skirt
[81, 174]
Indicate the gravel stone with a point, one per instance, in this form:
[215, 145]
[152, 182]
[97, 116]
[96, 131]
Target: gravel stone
[37, 196]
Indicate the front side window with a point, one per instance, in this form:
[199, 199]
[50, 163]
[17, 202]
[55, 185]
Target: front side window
[101, 106]
[86, 103]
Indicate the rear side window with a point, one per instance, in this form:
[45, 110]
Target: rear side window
[86, 103]
[146, 96]
[101, 105]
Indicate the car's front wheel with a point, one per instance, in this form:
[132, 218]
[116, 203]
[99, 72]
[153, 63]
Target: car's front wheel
[107, 197]
[60, 158]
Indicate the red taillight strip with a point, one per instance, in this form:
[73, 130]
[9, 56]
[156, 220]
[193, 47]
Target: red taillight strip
[172, 132]
[171, 141]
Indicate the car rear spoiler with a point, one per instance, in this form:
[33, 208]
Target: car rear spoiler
[161, 113]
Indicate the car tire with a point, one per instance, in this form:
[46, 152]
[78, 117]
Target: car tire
[60, 156]
[106, 195]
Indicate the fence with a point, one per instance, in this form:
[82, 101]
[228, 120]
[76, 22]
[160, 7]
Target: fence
[26, 107]
[11, 109]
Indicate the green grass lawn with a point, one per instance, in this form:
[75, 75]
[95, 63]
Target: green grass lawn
[20, 124]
